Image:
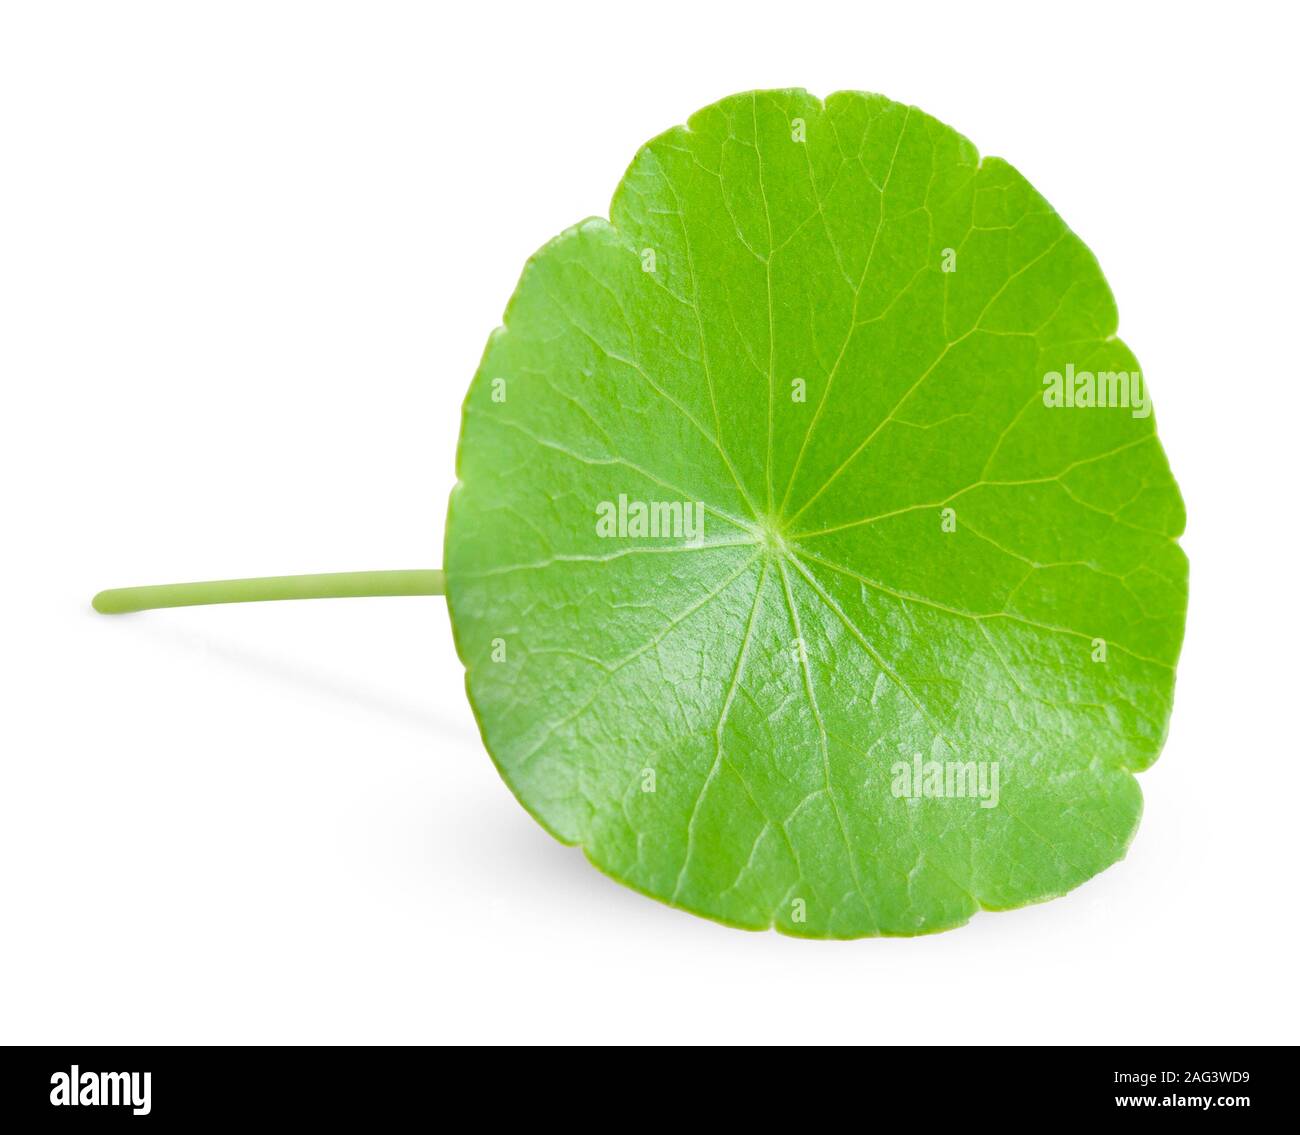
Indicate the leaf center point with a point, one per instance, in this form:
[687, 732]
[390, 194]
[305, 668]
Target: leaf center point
[768, 535]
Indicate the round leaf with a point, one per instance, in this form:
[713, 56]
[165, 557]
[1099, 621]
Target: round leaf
[813, 559]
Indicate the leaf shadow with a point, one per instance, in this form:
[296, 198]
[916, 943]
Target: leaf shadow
[308, 677]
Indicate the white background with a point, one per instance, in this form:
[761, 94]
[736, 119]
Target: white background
[249, 257]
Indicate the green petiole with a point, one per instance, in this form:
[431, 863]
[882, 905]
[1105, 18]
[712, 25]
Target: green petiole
[332, 585]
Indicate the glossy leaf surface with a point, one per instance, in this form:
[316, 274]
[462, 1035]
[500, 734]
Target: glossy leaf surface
[821, 331]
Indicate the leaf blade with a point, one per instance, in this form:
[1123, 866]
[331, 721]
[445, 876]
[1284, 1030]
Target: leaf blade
[829, 625]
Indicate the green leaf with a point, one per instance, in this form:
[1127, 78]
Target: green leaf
[928, 630]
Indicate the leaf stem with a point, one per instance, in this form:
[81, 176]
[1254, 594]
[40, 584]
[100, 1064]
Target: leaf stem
[333, 585]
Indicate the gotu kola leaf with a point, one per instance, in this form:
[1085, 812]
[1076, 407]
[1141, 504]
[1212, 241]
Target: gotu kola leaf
[813, 557]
